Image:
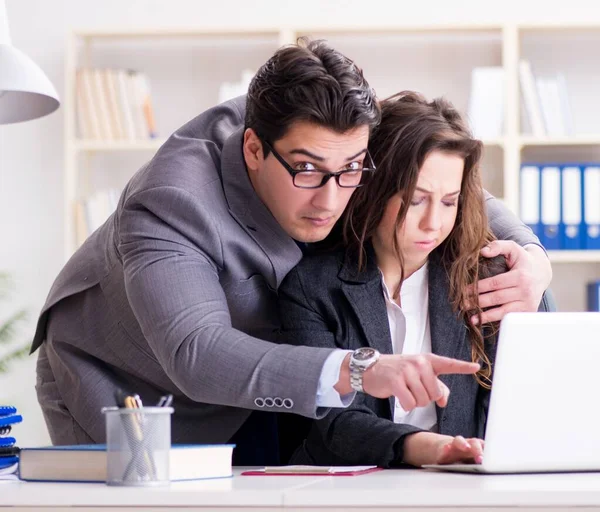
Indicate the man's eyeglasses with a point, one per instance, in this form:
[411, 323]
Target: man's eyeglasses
[316, 178]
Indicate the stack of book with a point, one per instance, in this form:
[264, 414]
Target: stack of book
[114, 105]
[9, 452]
[560, 204]
[546, 102]
[92, 211]
[88, 463]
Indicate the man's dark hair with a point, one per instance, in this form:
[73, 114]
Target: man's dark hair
[309, 81]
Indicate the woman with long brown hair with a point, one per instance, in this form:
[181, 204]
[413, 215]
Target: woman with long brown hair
[402, 282]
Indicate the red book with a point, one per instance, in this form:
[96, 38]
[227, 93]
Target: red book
[312, 471]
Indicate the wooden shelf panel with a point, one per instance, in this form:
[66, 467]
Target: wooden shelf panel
[177, 32]
[499, 142]
[574, 256]
[118, 145]
[575, 140]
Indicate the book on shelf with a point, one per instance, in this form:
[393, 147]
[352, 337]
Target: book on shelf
[87, 463]
[559, 202]
[554, 100]
[114, 104]
[92, 211]
[486, 102]
[531, 99]
[230, 90]
[593, 296]
[546, 102]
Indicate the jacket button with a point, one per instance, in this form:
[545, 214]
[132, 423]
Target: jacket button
[288, 403]
[269, 402]
[278, 401]
[259, 402]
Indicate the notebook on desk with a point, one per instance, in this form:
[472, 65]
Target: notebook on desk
[543, 415]
[296, 470]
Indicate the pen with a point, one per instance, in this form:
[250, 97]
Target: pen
[165, 401]
[137, 445]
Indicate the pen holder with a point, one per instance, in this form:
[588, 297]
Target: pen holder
[138, 443]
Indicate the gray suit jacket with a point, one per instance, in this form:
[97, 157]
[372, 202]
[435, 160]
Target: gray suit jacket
[176, 293]
[325, 302]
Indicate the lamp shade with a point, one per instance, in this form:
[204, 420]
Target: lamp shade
[25, 91]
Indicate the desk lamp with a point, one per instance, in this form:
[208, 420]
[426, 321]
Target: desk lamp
[25, 91]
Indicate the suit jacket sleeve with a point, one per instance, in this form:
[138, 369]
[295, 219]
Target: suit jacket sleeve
[171, 265]
[355, 435]
[506, 225]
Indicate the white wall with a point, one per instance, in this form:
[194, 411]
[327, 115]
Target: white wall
[31, 154]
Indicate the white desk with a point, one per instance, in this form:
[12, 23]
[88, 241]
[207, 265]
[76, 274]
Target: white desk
[384, 490]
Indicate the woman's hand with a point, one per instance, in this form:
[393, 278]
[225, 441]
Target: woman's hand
[467, 451]
[430, 448]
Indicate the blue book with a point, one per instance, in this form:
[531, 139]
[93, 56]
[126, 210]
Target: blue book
[529, 206]
[7, 410]
[550, 199]
[87, 463]
[7, 441]
[572, 230]
[10, 420]
[593, 298]
[591, 205]
[7, 462]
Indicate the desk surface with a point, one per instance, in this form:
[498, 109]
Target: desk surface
[383, 489]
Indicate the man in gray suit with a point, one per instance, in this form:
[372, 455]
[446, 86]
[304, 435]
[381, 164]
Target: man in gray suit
[175, 292]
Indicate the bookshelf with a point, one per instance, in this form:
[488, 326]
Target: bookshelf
[575, 140]
[118, 145]
[435, 60]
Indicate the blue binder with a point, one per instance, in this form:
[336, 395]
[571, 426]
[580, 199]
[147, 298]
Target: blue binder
[7, 410]
[529, 198]
[591, 206]
[593, 297]
[550, 200]
[571, 225]
[10, 420]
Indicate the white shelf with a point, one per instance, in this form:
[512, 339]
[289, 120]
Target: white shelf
[574, 140]
[498, 142]
[177, 32]
[506, 152]
[574, 256]
[118, 145]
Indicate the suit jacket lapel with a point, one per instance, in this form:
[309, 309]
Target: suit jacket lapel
[252, 214]
[448, 331]
[365, 296]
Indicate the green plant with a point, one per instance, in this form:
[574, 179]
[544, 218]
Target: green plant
[11, 350]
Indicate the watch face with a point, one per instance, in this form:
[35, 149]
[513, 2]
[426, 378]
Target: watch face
[364, 354]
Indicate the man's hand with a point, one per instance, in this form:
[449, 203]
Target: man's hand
[430, 448]
[519, 289]
[412, 379]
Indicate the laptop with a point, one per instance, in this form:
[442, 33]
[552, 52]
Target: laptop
[544, 413]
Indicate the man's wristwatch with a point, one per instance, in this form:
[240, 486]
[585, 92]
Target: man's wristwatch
[361, 360]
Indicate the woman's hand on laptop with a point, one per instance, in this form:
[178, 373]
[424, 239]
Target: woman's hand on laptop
[430, 448]
[519, 289]
[459, 449]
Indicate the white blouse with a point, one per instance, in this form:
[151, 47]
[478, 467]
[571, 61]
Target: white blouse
[410, 332]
